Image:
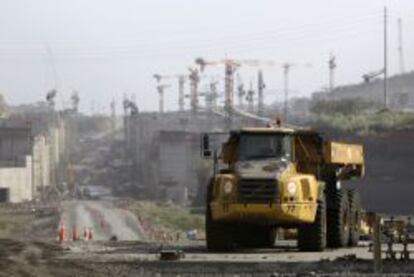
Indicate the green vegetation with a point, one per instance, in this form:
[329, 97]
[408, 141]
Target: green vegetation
[346, 106]
[358, 115]
[168, 215]
[365, 123]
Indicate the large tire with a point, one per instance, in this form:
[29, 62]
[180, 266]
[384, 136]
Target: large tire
[355, 217]
[219, 235]
[338, 218]
[312, 237]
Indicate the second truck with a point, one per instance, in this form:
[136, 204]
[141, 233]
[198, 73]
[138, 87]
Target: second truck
[274, 177]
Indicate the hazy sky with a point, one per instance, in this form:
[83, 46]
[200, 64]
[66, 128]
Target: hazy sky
[105, 48]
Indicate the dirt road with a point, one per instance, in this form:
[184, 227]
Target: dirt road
[133, 255]
[103, 219]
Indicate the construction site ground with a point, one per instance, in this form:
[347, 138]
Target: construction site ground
[121, 246]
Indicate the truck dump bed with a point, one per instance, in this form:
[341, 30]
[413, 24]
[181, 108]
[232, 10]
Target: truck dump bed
[344, 155]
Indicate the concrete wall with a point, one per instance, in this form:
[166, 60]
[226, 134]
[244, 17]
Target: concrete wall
[18, 180]
[14, 144]
[41, 165]
[177, 163]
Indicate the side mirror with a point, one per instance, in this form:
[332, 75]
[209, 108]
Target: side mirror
[205, 146]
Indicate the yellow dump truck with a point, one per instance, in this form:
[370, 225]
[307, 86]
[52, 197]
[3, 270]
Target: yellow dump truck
[275, 177]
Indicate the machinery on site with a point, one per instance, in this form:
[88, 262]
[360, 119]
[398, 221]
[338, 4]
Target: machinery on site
[266, 178]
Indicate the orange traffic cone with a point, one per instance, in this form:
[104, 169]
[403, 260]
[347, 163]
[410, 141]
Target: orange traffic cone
[90, 234]
[75, 233]
[62, 232]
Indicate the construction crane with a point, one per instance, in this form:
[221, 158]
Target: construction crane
[241, 92]
[286, 70]
[372, 75]
[194, 81]
[160, 89]
[50, 98]
[332, 67]
[210, 95]
[230, 67]
[250, 99]
[75, 101]
[214, 94]
[129, 105]
[260, 87]
[181, 82]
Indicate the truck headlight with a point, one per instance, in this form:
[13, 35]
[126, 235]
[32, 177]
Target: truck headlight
[291, 188]
[228, 187]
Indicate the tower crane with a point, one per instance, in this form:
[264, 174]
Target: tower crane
[75, 101]
[372, 75]
[130, 105]
[241, 92]
[230, 67]
[181, 81]
[260, 88]
[332, 66]
[160, 89]
[286, 70]
[50, 98]
[194, 80]
[250, 99]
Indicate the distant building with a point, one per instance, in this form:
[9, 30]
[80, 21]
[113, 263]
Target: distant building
[30, 151]
[15, 164]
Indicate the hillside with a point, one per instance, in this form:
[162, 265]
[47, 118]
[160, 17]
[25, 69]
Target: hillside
[400, 91]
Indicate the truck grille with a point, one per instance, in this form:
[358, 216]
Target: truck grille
[258, 191]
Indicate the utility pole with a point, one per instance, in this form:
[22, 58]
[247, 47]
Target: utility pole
[260, 88]
[240, 94]
[160, 90]
[332, 66]
[214, 94]
[385, 58]
[250, 99]
[113, 118]
[181, 81]
[286, 68]
[400, 46]
[194, 79]
[229, 70]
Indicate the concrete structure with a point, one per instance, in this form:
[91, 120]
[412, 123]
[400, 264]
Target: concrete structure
[41, 165]
[15, 163]
[16, 182]
[33, 148]
[164, 151]
[178, 160]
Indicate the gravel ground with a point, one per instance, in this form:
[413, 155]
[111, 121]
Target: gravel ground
[140, 259]
[133, 255]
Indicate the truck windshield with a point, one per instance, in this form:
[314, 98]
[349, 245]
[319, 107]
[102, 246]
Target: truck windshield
[264, 146]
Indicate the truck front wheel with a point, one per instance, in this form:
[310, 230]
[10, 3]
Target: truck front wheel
[312, 237]
[219, 235]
